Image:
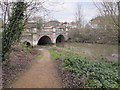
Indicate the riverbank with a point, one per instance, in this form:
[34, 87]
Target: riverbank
[93, 42]
[96, 51]
[19, 61]
[78, 71]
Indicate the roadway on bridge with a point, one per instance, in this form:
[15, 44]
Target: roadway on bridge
[42, 74]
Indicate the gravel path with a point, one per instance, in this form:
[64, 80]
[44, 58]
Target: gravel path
[42, 74]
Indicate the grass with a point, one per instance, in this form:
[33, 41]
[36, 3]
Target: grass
[54, 54]
[25, 48]
[40, 55]
[59, 52]
[92, 74]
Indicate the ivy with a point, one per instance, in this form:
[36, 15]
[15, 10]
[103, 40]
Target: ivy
[14, 28]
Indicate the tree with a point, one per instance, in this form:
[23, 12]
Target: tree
[13, 30]
[109, 10]
[5, 8]
[78, 16]
[15, 20]
[118, 3]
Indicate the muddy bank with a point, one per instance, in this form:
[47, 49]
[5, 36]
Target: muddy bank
[19, 61]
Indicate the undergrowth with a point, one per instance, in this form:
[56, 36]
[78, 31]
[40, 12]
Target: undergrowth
[25, 47]
[92, 74]
[40, 55]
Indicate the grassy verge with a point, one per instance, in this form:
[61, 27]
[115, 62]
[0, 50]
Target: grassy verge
[54, 53]
[40, 55]
[86, 73]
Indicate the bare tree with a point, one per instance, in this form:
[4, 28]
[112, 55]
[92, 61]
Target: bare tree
[118, 3]
[78, 15]
[33, 7]
[109, 11]
[5, 8]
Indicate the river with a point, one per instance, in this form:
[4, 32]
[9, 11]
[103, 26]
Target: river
[101, 51]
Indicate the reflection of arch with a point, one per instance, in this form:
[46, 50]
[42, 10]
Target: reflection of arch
[27, 43]
[44, 40]
[60, 39]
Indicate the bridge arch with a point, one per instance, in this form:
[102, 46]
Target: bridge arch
[44, 40]
[60, 38]
[27, 43]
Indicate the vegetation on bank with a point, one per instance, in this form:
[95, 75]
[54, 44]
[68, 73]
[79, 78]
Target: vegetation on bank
[20, 59]
[100, 36]
[85, 73]
[40, 55]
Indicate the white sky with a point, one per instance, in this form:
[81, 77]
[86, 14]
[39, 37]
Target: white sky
[65, 11]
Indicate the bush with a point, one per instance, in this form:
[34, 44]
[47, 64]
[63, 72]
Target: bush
[94, 36]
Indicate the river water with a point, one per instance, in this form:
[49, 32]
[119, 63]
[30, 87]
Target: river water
[103, 51]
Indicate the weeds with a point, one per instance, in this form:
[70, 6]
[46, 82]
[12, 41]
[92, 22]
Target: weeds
[40, 55]
[92, 74]
[25, 48]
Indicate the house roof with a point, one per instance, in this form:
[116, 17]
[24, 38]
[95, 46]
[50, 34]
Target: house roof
[52, 23]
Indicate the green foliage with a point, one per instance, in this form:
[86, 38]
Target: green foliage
[92, 74]
[54, 54]
[40, 55]
[25, 48]
[14, 28]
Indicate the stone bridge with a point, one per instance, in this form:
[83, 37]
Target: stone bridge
[45, 36]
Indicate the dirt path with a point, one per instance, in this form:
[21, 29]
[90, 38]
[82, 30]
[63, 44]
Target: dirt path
[42, 74]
